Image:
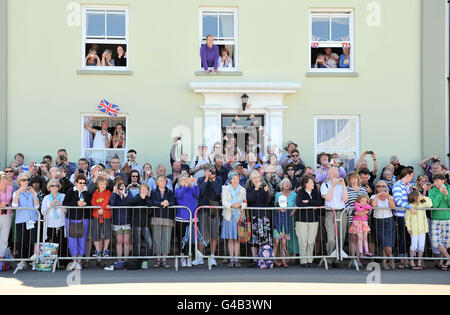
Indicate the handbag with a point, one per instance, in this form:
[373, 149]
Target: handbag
[245, 229]
[76, 230]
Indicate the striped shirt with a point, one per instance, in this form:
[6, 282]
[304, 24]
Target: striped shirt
[400, 192]
[352, 195]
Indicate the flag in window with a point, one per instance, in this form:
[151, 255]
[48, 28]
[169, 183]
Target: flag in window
[108, 108]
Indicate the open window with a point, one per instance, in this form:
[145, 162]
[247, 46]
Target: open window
[331, 41]
[222, 24]
[338, 134]
[105, 38]
[96, 152]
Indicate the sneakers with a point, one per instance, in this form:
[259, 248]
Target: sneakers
[144, 265]
[183, 262]
[105, 253]
[97, 254]
[78, 266]
[213, 261]
[189, 262]
[198, 261]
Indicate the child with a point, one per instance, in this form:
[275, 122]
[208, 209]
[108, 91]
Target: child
[417, 225]
[101, 221]
[360, 226]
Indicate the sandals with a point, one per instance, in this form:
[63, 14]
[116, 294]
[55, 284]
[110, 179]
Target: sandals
[443, 267]
[401, 266]
[277, 263]
[157, 265]
[285, 265]
[385, 266]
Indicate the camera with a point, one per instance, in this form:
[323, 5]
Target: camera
[213, 172]
[100, 174]
[62, 158]
[434, 161]
[37, 165]
[80, 171]
[369, 152]
[179, 138]
[121, 187]
[134, 185]
[264, 185]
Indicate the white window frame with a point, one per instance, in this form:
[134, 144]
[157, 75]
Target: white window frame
[337, 117]
[234, 42]
[112, 41]
[334, 44]
[101, 116]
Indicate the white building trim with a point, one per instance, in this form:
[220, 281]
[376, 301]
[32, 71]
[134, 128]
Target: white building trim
[266, 98]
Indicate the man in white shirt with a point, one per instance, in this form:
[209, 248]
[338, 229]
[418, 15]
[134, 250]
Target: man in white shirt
[197, 167]
[335, 194]
[102, 140]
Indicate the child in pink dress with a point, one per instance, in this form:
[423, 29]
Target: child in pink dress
[360, 226]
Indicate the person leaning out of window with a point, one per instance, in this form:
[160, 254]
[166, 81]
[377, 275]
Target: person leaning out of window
[107, 60]
[121, 59]
[92, 59]
[225, 60]
[210, 55]
[344, 61]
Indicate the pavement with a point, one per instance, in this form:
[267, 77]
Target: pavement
[250, 281]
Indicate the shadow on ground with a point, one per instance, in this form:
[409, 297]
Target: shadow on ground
[221, 274]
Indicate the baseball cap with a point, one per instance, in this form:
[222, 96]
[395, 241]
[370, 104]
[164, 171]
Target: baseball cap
[237, 164]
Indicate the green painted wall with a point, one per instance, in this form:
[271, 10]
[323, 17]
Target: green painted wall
[46, 95]
[435, 96]
[3, 85]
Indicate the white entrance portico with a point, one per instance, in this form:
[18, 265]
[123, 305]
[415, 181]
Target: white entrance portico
[224, 98]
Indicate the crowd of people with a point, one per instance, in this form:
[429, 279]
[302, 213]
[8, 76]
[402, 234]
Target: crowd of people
[88, 206]
[330, 60]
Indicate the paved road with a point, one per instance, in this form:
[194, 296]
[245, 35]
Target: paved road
[199, 280]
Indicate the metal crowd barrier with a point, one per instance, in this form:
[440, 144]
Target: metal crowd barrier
[208, 219]
[400, 238]
[134, 235]
[26, 250]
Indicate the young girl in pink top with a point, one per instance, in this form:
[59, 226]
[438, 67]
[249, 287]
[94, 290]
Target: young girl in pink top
[360, 226]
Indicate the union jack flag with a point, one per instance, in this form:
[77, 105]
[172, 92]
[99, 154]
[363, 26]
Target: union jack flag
[108, 108]
[315, 41]
[346, 42]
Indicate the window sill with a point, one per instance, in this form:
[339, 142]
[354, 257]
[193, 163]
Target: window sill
[104, 72]
[220, 74]
[332, 74]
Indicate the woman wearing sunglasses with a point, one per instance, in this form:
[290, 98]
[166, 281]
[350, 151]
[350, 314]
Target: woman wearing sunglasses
[26, 220]
[9, 172]
[77, 222]
[55, 218]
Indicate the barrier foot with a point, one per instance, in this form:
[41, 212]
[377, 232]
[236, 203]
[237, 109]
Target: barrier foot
[54, 265]
[19, 267]
[176, 264]
[354, 262]
[209, 264]
[325, 262]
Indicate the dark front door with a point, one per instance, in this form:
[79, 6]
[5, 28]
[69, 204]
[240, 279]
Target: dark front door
[243, 134]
